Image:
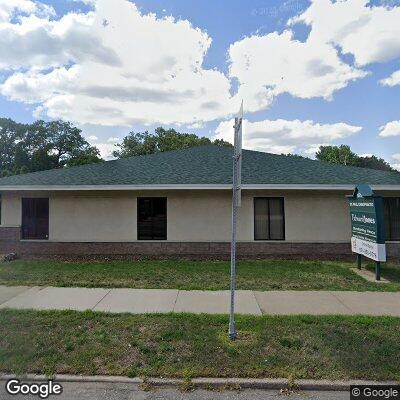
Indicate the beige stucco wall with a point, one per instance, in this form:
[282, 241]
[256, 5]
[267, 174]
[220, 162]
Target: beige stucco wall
[192, 215]
[92, 219]
[317, 217]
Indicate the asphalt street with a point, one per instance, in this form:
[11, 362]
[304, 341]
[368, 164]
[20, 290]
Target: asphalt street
[122, 391]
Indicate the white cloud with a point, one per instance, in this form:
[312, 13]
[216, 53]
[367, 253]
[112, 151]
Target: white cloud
[125, 71]
[313, 149]
[34, 87]
[283, 136]
[106, 150]
[269, 65]
[113, 140]
[115, 66]
[366, 155]
[37, 42]
[9, 7]
[396, 164]
[390, 129]
[370, 33]
[392, 80]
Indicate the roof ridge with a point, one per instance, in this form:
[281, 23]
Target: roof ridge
[333, 165]
[173, 151]
[204, 164]
[108, 161]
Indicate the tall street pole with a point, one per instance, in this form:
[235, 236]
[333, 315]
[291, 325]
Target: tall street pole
[236, 202]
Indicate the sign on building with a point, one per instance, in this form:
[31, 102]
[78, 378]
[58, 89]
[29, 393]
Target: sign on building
[367, 224]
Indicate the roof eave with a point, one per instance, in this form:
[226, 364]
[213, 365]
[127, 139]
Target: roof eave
[190, 187]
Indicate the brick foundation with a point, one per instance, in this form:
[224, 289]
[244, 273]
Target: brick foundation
[9, 242]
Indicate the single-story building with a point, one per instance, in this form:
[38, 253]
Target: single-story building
[178, 203]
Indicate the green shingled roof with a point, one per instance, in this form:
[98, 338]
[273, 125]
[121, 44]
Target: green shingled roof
[205, 165]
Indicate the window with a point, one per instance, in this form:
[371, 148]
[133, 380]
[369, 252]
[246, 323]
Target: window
[269, 220]
[392, 218]
[152, 218]
[35, 218]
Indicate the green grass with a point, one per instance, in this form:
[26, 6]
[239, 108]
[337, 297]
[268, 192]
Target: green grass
[182, 345]
[191, 275]
[389, 271]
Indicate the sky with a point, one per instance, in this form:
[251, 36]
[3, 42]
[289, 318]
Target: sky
[309, 73]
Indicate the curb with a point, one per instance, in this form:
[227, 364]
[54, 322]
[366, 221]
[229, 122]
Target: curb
[207, 383]
[72, 378]
[266, 383]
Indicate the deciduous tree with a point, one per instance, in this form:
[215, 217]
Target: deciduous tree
[42, 145]
[140, 143]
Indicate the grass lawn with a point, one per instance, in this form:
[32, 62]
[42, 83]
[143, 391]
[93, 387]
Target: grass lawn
[183, 345]
[389, 271]
[191, 275]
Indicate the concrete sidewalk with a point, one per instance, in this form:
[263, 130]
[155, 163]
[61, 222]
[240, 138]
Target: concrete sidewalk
[138, 301]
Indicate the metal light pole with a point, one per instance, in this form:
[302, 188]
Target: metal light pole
[236, 202]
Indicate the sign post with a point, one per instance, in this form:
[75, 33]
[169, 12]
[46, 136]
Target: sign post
[236, 202]
[367, 226]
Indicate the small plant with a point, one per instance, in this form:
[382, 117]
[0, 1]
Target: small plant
[232, 386]
[187, 384]
[146, 386]
[291, 381]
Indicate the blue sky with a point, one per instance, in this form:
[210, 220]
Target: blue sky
[110, 74]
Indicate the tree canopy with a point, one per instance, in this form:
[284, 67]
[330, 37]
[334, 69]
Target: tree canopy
[140, 143]
[344, 155]
[45, 145]
[42, 145]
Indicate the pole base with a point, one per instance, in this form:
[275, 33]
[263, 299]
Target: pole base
[232, 331]
[378, 271]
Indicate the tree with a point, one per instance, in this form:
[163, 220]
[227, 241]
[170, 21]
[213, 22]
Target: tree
[136, 144]
[65, 140]
[336, 155]
[343, 155]
[89, 155]
[11, 133]
[297, 156]
[141, 143]
[374, 163]
[42, 145]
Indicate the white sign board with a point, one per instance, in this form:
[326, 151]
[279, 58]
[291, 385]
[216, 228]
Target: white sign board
[375, 251]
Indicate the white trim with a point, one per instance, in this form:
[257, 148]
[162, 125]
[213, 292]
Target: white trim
[189, 241]
[113, 187]
[190, 187]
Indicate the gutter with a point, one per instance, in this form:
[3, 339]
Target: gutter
[190, 187]
[207, 383]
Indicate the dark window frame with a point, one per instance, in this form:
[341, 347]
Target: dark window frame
[138, 214]
[388, 221]
[36, 235]
[282, 199]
